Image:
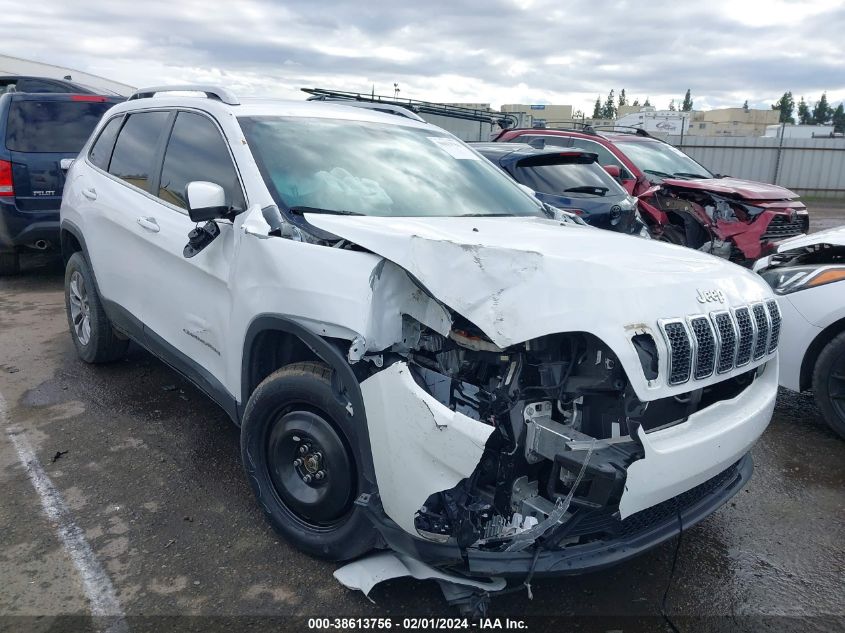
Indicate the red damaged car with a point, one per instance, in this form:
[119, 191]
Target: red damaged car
[681, 201]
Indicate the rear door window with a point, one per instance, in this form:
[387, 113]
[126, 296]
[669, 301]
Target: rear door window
[134, 151]
[101, 150]
[197, 151]
[606, 157]
[52, 126]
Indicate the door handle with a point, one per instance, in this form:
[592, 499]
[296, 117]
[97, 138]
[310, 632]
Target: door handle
[149, 223]
[90, 193]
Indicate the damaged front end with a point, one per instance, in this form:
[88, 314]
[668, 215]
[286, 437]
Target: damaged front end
[724, 225]
[529, 447]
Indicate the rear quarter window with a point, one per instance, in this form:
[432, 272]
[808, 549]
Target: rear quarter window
[52, 126]
[100, 153]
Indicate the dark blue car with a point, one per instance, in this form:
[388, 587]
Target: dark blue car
[37, 131]
[569, 179]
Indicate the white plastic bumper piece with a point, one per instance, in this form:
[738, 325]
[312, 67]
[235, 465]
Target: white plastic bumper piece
[419, 446]
[683, 456]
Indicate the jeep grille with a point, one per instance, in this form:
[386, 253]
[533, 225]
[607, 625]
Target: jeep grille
[721, 341]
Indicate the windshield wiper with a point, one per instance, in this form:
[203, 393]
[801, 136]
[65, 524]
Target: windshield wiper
[661, 174]
[303, 210]
[685, 174]
[599, 191]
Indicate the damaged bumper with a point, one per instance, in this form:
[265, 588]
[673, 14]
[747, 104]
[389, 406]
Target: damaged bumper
[674, 476]
[641, 532]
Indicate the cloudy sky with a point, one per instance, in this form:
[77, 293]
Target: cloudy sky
[490, 51]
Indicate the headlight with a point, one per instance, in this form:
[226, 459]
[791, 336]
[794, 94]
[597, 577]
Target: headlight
[786, 280]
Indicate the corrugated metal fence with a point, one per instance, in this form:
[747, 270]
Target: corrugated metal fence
[812, 166]
[463, 129]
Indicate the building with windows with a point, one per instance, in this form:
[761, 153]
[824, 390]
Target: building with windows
[732, 122]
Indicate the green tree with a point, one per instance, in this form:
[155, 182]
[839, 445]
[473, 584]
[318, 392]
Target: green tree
[785, 106]
[686, 106]
[636, 103]
[647, 103]
[623, 100]
[672, 105]
[597, 109]
[822, 111]
[839, 119]
[804, 115]
[745, 105]
[608, 111]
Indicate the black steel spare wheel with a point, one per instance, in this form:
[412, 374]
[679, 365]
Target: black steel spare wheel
[310, 467]
[301, 459]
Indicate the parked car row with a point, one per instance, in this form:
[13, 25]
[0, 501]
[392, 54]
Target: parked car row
[681, 201]
[423, 357]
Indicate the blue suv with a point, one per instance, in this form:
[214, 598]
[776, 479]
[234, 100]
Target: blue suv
[569, 179]
[37, 131]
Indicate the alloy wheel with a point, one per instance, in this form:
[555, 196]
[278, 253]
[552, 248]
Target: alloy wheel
[80, 309]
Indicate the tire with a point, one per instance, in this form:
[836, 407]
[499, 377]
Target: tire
[829, 383]
[10, 264]
[292, 416]
[90, 328]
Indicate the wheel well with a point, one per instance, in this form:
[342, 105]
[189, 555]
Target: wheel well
[819, 343]
[271, 350]
[69, 244]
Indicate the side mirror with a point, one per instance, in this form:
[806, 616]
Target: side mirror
[65, 163]
[206, 201]
[613, 170]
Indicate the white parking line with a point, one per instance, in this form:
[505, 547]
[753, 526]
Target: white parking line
[96, 583]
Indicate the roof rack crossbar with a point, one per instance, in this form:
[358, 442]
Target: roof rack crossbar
[388, 108]
[503, 119]
[212, 92]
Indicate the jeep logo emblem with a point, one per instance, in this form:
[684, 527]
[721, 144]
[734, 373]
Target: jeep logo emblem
[707, 296]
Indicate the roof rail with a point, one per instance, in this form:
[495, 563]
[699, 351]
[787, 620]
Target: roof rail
[575, 126]
[387, 108]
[624, 129]
[212, 92]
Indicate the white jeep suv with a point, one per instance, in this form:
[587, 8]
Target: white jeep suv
[420, 356]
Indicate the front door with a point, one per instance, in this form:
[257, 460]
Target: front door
[189, 303]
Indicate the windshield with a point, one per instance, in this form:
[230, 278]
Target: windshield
[572, 179]
[662, 160]
[344, 166]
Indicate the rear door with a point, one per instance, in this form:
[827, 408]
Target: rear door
[112, 192]
[190, 304]
[40, 132]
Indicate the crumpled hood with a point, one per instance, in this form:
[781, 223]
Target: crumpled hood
[521, 278]
[834, 237]
[747, 189]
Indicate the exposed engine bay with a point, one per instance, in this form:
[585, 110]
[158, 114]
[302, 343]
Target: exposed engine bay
[724, 226]
[564, 421]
